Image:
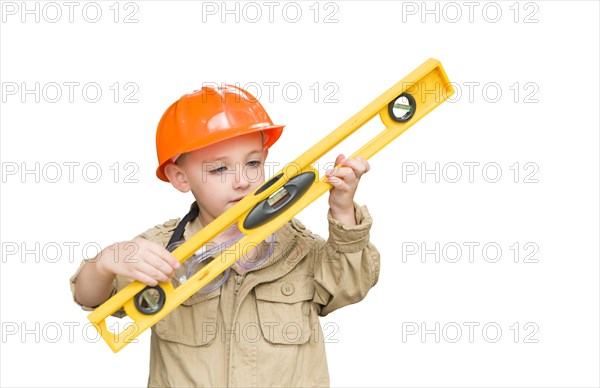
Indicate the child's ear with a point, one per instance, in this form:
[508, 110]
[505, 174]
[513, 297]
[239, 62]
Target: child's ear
[265, 153]
[177, 177]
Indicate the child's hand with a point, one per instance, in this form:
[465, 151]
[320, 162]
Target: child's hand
[139, 259]
[344, 178]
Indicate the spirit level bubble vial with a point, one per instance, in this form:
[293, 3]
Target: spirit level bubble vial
[274, 203]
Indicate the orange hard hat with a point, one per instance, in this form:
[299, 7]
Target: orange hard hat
[208, 116]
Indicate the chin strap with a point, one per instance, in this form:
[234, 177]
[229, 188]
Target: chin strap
[179, 229]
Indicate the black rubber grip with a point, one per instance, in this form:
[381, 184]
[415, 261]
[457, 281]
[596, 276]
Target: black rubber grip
[265, 211]
[408, 115]
[139, 301]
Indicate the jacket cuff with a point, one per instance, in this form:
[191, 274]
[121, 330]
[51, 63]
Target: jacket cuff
[350, 238]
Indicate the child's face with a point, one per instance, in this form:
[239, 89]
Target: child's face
[221, 174]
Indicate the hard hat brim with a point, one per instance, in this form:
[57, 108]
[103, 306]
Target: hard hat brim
[272, 132]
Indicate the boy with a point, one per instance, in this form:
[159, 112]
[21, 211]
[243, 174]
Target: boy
[260, 327]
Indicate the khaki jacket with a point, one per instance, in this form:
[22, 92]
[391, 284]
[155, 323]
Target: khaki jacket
[262, 328]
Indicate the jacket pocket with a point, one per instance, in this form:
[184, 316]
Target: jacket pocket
[284, 309]
[193, 323]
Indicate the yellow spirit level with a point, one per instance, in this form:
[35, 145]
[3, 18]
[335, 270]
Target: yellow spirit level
[274, 203]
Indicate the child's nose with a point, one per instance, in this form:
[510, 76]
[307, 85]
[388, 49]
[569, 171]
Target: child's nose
[241, 180]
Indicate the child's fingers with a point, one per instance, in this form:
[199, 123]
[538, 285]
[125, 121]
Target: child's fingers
[338, 184]
[143, 278]
[167, 257]
[358, 165]
[347, 174]
[160, 264]
[164, 255]
[365, 163]
[341, 178]
[152, 272]
[334, 181]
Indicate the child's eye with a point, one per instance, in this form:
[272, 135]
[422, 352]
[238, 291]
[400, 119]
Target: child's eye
[253, 163]
[218, 170]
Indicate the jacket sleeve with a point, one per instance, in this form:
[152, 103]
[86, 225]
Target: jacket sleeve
[159, 234]
[118, 283]
[347, 264]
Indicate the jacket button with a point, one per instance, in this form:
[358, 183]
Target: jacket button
[287, 288]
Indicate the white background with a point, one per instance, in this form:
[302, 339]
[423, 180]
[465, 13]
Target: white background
[543, 58]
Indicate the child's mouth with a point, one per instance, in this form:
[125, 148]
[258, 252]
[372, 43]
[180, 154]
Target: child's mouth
[237, 200]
